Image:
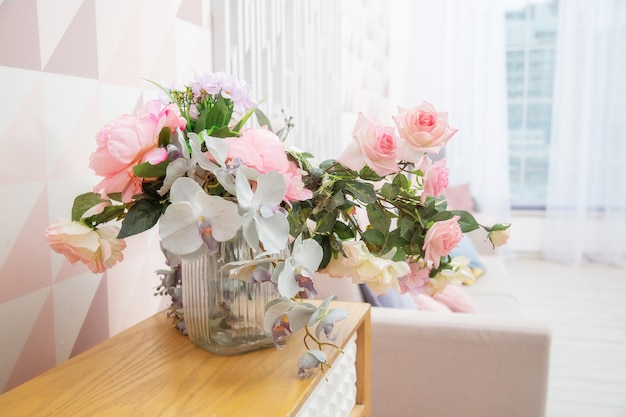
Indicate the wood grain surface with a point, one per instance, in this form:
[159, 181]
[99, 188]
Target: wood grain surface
[153, 370]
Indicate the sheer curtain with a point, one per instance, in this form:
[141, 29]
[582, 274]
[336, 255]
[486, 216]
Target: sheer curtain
[586, 208]
[452, 54]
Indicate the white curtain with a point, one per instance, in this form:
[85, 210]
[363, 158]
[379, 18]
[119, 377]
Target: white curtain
[586, 208]
[452, 54]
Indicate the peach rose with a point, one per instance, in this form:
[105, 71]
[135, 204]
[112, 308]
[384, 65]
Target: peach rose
[128, 141]
[379, 273]
[499, 237]
[374, 145]
[98, 249]
[441, 238]
[423, 129]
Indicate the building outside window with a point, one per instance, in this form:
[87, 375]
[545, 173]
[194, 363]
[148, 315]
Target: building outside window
[531, 28]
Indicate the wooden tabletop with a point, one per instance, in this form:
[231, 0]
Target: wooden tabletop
[151, 369]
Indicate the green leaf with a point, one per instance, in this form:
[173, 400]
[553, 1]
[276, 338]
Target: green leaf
[390, 191]
[401, 181]
[374, 237]
[221, 132]
[363, 192]
[263, 120]
[140, 217]
[466, 221]
[441, 216]
[327, 250]
[368, 174]
[115, 196]
[109, 213]
[327, 164]
[378, 218]
[407, 227]
[165, 137]
[394, 240]
[337, 200]
[325, 220]
[84, 202]
[243, 120]
[147, 170]
[343, 231]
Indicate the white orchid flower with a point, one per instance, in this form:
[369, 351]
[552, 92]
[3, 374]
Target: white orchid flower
[295, 276]
[252, 270]
[187, 162]
[195, 221]
[264, 221]
[180, 166]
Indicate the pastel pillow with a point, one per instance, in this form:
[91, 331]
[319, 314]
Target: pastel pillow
[391, 299]
[427, 303]
[456, 299]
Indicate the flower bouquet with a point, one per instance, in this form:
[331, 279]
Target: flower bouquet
[191, 163]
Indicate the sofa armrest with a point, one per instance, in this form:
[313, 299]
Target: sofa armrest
[441, 365]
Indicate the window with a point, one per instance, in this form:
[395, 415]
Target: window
[530, 56]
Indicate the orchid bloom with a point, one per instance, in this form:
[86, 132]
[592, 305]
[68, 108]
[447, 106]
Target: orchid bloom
[312, 358]
[195, 221]
[283, 317]
[305, 258]
[251, 270]
[264, 221]
[326, 318]
[185, 163]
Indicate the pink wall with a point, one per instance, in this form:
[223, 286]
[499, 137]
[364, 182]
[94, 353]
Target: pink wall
[66, 68]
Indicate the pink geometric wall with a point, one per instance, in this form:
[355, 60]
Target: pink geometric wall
[66, 68]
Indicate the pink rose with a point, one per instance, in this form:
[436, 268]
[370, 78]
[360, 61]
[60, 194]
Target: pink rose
[423, 130]
[417, 280]
[441, 238]
[263, 150]
[435, 177]
[98, 249]
[128, 141]
[374, 145]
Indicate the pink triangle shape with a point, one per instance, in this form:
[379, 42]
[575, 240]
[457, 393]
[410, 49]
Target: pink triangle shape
[19, 34]
[38, 354]
[163, 67]
[77, 52]
[28, 266]
[14, 151]
[82, 142]
[69, 270]
[191, 11]
[124, 68]
[95, 328]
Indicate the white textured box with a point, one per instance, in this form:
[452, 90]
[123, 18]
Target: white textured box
[335, 396]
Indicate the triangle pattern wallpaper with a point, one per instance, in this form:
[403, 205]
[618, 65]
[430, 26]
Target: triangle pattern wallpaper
[70, 66]
[67, 68]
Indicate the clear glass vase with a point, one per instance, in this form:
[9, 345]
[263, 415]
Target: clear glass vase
[225, 315]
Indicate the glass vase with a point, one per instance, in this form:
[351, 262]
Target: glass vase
[225, 315]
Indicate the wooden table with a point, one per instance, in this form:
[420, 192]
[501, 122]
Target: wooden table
[153, 370]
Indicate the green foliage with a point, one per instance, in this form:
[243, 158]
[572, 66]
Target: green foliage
[140, 217]
[147, 170]
[84, 202]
